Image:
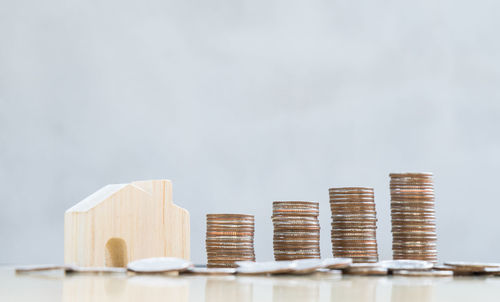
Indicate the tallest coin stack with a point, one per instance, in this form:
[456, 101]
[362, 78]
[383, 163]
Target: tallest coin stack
[413, 216]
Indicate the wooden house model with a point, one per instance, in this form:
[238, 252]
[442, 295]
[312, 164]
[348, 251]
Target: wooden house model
[125, 222]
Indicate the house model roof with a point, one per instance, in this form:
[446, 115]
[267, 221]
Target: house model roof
[94, 199]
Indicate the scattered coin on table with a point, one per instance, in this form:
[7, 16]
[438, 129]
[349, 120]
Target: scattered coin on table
[306, 266]
[267, 267]
[337, 263]
[214, 271]
[95, 270]
[372, 269]
[470, 267]
[429, 273]
[39, 268]
[393, 265]
[159, 265]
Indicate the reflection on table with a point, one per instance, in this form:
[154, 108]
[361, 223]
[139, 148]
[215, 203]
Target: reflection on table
[361, 289]
[321, 287]
[123, 288]
[286, 289]
[412, 290]
[227, 288]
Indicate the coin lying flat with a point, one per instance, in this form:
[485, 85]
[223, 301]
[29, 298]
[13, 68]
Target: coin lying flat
[472, 267]
[306, 266]
[366, 271]
[494, 271]
[337, 263]
[95, 270]
[70, 269]
[210, 271]
[442, 267]
[429, 273]
[267, 267]
[39, 268]
[471, 264]
[456, 270]
[325, 273]
[158, 265]
[406, 265]
[369, 269]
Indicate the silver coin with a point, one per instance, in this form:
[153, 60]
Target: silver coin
[406, 264]
[210, 271]
[472, 265]
[429, 273]
[268, 267]
[158, 265]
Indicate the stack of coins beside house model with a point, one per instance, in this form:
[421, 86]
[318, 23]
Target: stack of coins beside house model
[126, 222]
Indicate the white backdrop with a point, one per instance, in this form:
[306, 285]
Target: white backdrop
[240, 103]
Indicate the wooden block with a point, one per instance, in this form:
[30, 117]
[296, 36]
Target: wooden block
[125, 222]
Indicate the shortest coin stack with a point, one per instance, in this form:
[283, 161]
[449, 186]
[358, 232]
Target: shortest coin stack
[229, 239]
[296, 230]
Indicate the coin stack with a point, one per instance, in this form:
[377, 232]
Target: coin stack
[413, 216]
[296, 230]
[354, 224]
[229, 239]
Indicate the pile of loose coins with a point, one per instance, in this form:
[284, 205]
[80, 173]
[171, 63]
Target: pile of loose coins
[413, 216]
[354, 224]
[296, 230]
[229, 239]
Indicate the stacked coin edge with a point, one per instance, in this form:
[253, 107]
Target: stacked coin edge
[229, 238]
[354, 224]
[413, 216]
[296, 230]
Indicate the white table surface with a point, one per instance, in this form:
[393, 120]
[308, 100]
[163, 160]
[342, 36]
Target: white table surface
[78, 287]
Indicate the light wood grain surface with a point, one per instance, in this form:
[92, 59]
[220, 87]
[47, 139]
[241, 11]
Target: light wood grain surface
[86, 287]
[125, 222]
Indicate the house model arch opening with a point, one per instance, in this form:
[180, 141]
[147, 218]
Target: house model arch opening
[125, 222]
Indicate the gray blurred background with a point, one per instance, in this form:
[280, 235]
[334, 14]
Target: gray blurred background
[240, 103]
